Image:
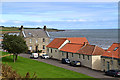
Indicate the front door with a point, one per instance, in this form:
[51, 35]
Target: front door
[66, 54]
[36, 49]
[108, 66]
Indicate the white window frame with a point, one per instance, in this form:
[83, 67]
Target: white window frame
[30, 40]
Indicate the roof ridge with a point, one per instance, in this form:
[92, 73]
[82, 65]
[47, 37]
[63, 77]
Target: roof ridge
[81, 48]
[94, 50]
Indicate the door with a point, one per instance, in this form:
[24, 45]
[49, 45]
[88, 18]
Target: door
[36, 49]
[67, 55]
[108, 66]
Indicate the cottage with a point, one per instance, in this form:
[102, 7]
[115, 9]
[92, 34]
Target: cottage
[88, 55]
[76, 49]
[53, 48]
[36, 39]
[111, 58]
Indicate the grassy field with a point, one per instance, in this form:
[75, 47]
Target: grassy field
[9, 29]
[4, 53]
[43, 70]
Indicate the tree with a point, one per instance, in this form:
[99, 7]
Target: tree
[14, 44]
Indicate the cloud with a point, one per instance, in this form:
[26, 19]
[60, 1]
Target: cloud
[77, 20]
[3, 21]
[17, 22]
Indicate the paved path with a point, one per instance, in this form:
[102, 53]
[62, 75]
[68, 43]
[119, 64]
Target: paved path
[83, 70]
[6, 55]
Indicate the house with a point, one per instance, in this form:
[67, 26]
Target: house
[36, 39]
[53, 48]
[88, 55]
[76, 49]
[111, 58]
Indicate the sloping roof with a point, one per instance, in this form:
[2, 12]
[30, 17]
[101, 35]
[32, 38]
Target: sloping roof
[37, 33]
[91, 50]
[111, 52]
[71, 47]
[56, 43]
[78, 40]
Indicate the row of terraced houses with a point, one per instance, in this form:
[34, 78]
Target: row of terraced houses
[91, 56]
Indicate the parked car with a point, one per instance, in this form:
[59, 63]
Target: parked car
[75, 63]
[45, 56]
[113, 72]
[65, 61]
[34, 55]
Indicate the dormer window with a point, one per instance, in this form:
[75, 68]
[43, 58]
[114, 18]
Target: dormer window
[115, 49]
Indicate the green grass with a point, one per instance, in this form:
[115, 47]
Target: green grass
[4, 53]
[43, 70]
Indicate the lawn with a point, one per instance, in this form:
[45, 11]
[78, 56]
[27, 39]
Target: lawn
[43, 70]
[4, 53]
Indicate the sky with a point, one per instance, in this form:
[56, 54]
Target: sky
[61, 15]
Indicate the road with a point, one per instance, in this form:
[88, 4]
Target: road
[83, 70]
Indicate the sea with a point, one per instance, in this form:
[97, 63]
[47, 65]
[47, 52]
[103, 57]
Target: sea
[103, 38]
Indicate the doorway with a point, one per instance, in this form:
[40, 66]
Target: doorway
[108, 66]
[36, 49]
[67, 55]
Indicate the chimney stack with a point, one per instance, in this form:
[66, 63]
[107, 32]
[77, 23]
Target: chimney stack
[85, 43]
[45, 28]
[21, 29]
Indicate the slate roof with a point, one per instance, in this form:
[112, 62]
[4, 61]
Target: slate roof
[37, 33]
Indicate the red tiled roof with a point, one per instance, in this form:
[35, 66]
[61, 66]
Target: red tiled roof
[78, 40]
[91, 50]
[71, 47]
[56, 43]
[111, 53]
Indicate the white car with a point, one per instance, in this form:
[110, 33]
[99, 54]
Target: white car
[34, 55]
[45, 56]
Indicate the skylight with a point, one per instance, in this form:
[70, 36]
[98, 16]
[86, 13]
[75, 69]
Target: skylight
[115, 49]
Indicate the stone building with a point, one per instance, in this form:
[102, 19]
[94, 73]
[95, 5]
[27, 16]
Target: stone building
[111, 58]
[76, 49]
[36, 39]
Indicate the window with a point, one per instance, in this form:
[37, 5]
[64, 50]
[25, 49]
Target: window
[115, 49]
[62, 54]
[30, 48]
[36, 41]
[30, 40]
[83, 56]
[111, 62]
[72, 54]
[103, 62]
[43, 46]
[88, 57]
[79, 55]
[51, 50]
[43, 39]
[55, 50]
